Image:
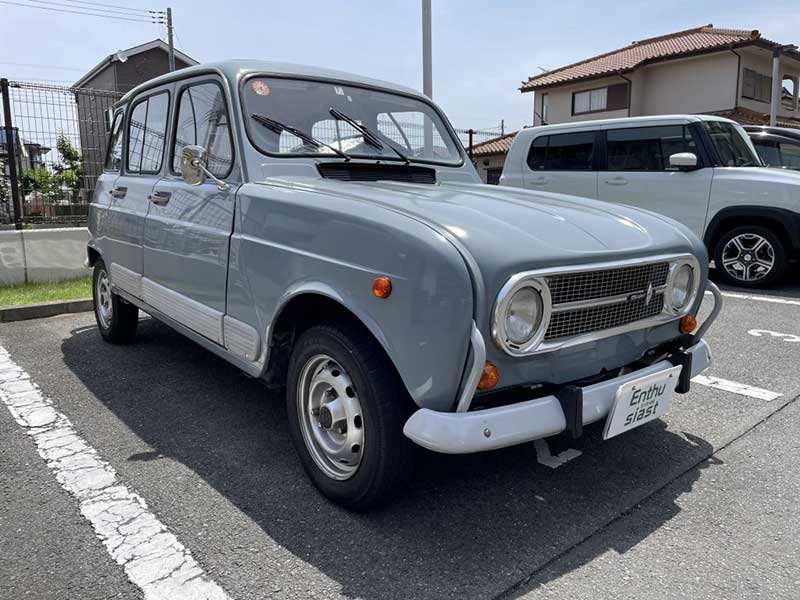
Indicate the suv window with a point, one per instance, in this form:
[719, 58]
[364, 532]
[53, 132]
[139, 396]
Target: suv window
[778, 154]
[147, 131]
[114, 154]
[647, 148]
[203, 120]
[562, 152]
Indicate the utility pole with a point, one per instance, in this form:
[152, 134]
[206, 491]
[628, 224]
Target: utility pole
[169, 40]
[427, 68]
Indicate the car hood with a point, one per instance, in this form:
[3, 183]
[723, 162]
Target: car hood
[506, 230]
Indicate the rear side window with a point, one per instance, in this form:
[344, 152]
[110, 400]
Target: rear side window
[769, 152]
[147, 131]
[647, 148]
[563, 152]
[790, 154]
[203, 121]
[114, 155]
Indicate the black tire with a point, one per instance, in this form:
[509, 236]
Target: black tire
[119, 326]
[388, 456]
[775, 249]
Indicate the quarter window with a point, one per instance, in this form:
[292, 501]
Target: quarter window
[114, 156]
[562, 152]
[203, 121]
[647, 148]
[147, 132]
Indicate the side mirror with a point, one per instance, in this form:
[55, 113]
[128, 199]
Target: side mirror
[683, 161]
[193, 164]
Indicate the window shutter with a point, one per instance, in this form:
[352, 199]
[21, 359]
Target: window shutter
[617, 96]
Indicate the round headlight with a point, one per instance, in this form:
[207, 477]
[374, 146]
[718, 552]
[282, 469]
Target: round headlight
[682, 286]
[523, 315]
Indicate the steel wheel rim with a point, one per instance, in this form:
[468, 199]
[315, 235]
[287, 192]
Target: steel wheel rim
[330, 415]
[103, 304]
[748, 257]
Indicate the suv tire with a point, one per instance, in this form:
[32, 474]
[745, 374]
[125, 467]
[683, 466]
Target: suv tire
[116, 318]
[346, 409]
[750, 256]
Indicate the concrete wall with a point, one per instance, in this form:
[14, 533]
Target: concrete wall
[42, 254]
[693, 85]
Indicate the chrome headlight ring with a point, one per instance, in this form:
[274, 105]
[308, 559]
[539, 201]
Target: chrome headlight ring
[676, 270]
[501, 312]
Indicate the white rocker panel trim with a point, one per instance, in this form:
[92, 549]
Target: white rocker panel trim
[190, 313]
[241, 339]
[125, 279]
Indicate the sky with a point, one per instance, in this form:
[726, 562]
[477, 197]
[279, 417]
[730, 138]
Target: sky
[482, 50]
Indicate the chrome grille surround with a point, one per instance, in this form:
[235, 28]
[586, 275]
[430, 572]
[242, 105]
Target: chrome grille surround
[584, 303]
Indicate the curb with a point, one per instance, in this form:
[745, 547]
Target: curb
[44, 309]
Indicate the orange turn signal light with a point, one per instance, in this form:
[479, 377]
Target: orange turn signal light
[381, 287]
[489, 377]
[688, 324]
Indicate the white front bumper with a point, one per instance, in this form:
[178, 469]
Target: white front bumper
[476, 431]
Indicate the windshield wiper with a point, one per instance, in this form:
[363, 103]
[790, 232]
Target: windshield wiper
[278, 127]
[370, 137]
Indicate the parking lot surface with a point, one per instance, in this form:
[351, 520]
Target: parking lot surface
[701, 504]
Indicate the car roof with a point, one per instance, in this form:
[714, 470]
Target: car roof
[767, 129]
[605, 123]
[234, 69]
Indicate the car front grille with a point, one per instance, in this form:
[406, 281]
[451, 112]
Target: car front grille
[594, 300]
[591, 285]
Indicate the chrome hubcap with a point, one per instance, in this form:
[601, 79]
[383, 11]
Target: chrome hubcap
[103, 304]
[748, 257]
[330, 417]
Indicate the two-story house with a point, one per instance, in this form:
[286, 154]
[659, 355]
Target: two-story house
[703, 70]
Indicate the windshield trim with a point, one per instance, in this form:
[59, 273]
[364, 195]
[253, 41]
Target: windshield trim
[362, 157]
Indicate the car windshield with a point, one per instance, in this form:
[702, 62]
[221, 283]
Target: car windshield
[732, 144]
[320, 111]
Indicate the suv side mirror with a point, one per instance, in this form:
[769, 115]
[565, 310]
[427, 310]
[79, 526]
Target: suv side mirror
[194, 167]
[193, 162]
[683, 161]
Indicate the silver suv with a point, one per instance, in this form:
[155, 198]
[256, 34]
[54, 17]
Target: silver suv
[326, 233]
[700, 170]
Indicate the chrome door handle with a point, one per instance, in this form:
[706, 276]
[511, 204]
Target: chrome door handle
[118, 192]
[160, 198]
[617, 181]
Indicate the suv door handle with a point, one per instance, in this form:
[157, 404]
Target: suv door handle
[617, 181]
[118, 192]
[160, 198]
[538, 180]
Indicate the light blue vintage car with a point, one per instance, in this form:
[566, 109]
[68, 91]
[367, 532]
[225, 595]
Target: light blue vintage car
[327, 233]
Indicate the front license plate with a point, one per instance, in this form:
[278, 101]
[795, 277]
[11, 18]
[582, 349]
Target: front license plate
[640, 401]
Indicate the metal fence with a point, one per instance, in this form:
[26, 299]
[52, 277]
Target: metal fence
[52, 146]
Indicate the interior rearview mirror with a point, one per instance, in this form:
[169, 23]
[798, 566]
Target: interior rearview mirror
[193, 164]
[685, 161]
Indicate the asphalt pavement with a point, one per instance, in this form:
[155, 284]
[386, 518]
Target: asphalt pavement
[701, 504]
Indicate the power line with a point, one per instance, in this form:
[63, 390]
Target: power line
[99, 10]
[16, 64]
[141, 10]
[90, 14]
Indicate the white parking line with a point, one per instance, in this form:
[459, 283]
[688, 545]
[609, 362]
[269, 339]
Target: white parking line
[736, 388]
[772, 299]
[152, 557]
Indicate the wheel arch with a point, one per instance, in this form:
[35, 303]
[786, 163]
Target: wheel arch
[784, 223]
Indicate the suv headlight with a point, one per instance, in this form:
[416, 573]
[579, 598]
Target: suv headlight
[682, 287]
[521, 315]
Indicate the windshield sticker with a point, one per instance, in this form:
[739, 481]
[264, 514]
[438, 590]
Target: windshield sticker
[260, 88]
[339, 91]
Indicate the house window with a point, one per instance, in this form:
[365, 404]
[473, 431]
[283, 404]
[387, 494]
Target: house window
[493, 176]
[756, 86]
[613, 97]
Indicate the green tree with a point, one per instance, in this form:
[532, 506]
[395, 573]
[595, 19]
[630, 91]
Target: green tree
[70, 171]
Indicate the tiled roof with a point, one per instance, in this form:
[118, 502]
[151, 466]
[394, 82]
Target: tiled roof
[691, 41]
[746, 116]
[498, 145]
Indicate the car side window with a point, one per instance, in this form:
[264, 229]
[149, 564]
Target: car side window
[203, 121]
[647, 148]
[563, 152]
[147, 132]
[790, 153]
[769, 152]
[114, 153]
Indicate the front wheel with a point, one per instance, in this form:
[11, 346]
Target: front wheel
[116, 318]
[750, 256]
[346, 409]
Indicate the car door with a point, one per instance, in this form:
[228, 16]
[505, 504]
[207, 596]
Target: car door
[100, 210]
[188, 227]
[144, 147]
[637, 172]
[562, 163]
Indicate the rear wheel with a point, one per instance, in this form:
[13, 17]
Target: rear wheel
[116, 318]
[346, 409]
[750, 256]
